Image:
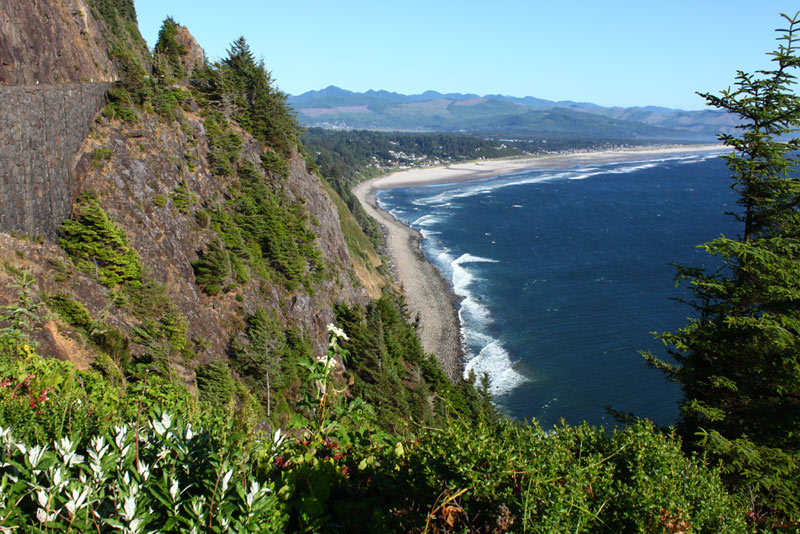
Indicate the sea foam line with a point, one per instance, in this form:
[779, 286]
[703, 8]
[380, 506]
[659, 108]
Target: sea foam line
[485, 353]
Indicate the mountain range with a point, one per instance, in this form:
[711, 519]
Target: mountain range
[501, 115]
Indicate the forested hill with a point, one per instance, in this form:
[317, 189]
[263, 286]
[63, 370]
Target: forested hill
[208, 342]
[500, 115]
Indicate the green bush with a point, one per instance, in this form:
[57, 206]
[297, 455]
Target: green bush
[274, 164]
[213, 268]
[215, 383]
[99, 155]
[182, 198]
[97, 246]
[164, 475]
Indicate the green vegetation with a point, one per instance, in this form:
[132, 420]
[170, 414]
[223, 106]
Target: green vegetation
[168, 51]
[259, 227]
[98, 246]
[738, 361]
[99, 155]
[183, 199]
[241, 87]
[372, 436]
[101, 249]
[132, 466]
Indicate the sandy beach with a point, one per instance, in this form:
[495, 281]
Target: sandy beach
[428, 294]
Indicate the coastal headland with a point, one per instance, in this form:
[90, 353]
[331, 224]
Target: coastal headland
[428, 294]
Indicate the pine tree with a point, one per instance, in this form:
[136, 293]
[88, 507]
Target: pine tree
[738, 361]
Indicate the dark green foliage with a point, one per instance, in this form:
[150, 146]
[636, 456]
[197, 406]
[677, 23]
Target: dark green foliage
[224, 145]
[392, 372]
[215, 383]
[472, 477]
[120, 105]
[183, 199]
[213, 268]
[101, 249]
[738, 361]
[264, 230]
[169, 49]
[240, 87]
[202, 218]
[266, 358]
[44, 399]
[274, 164]
[99, 155]
[97, 246]
[72, 311]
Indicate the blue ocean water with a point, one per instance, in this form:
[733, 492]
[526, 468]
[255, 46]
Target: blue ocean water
[564, 274]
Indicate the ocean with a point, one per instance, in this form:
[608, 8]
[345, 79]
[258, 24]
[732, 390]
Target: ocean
[565, 274]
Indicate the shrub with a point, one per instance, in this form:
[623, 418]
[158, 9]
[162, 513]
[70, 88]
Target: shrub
[215, 383]
[165, 475]
[98, 246]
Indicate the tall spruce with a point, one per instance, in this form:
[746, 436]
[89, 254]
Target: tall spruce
[738, 360]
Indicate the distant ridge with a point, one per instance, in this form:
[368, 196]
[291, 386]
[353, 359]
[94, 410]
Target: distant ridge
[495, 114]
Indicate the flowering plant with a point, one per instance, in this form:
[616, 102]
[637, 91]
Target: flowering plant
[162, 476]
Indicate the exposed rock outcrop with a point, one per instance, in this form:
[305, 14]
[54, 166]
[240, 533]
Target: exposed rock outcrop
[46, 42]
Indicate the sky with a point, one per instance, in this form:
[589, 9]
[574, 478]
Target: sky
[609, 52]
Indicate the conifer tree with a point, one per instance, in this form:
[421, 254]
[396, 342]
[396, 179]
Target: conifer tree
[738, 360]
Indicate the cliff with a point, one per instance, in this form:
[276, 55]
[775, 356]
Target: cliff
[47, 42]
[149, 162]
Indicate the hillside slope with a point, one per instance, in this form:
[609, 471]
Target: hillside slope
[502, 115]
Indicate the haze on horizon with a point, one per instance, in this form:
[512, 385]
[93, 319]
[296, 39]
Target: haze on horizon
[616, 53]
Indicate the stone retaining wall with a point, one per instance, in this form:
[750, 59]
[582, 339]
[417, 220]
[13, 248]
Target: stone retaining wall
[41, 129]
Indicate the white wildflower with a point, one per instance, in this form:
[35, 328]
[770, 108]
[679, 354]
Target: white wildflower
[76, 501]
[41, 497]
[64, 445]
[158, 427]
[58, 480]
[189, 433]
[226, 479]
[119, 437]
[173, 489]
[35, 455]
[22, 448]
[144, 471]
[197, 506]
[45, 517]
[134, 525]
[278, 438]
[129, 509]
[338, 332]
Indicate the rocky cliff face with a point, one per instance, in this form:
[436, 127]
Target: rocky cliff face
[147, 162]
[53, 149]
[47, 41]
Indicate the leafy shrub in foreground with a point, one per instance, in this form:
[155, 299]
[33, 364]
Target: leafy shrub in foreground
[164, 476]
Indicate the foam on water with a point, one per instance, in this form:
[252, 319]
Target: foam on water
[485, 354]
[482, 187]
[484, 348]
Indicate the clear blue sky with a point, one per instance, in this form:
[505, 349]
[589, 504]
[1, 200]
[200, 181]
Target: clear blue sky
[612, 53]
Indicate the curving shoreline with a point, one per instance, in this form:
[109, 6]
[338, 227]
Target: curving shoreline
[428, 293]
